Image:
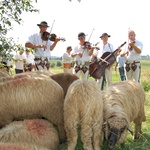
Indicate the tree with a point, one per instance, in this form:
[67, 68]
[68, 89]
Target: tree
[10, 11]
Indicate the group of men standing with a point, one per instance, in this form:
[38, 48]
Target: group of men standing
[127, 60]
[83, 53]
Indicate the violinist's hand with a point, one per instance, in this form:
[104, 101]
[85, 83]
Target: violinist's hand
[79, 54]
[57, 39]
[43, 46]
[131, 44]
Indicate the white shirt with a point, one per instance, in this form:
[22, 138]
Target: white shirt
[20, 63]
[37, 40]
[30, 58]
[104, 48]
[85, 54]
[133, 55]
[66, 58]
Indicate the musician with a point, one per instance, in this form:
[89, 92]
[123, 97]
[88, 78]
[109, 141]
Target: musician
[29, 64]
[41, 47]
[67, 60]
[105, 47]
[82, 54]
[19, 60]
[133, 57]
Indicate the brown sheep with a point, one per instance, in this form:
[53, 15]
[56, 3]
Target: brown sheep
[64, 80]
[36, 132]
[123, 104]
[83, 106]
[35, 97]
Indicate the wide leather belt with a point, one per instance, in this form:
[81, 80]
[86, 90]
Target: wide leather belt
[41, 58]
[67, 65]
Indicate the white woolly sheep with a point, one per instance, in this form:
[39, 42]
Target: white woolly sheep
[35, 97]
[123, 104]
[83, 106]
[3, 74]
[35, 131]
[63, 79]
[13, 146]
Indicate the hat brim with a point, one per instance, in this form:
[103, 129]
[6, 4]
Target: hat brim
[42, 25]
[104, 35]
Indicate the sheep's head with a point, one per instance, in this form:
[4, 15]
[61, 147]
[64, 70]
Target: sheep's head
[115, 130]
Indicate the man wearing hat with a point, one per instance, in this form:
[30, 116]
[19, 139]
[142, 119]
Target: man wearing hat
[67, 60]
[105, 47]
[82, 54]
[41, 47]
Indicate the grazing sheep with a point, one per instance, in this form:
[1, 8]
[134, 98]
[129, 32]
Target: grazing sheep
[123, 104]
[37, 131]
[13, 146]
[35, 97]
[64, 80]
[83, 106]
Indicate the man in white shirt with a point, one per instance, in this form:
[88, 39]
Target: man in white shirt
[133, 57]
[82, 54]
[41, 47]
[103, 48]
[29, 65]
[19, 59]
[67, 60]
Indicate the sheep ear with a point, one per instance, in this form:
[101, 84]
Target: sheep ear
[130, 130]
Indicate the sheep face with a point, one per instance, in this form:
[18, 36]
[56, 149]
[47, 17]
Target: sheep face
[115, 131]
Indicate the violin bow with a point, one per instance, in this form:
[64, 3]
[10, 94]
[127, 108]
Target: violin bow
[52, 27]
[91, 35]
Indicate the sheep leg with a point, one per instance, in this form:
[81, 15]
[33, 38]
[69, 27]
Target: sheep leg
[86, 136]
[138, 125]
[72, 136]
[97, 137]
[62, 134]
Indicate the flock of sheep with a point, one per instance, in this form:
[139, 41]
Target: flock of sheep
[40, 110]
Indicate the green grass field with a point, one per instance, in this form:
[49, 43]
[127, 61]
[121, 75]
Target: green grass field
[143, 143]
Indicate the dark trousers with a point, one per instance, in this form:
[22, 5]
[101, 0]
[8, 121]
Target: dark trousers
[103, 82]
[122, 73]
[18, 71]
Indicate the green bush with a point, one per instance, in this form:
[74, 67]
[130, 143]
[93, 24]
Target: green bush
[58, 64]
[146, 86]
[52, 65]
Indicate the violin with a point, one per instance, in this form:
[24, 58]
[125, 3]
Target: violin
[97, 68]
[52, 37]
[88, 45]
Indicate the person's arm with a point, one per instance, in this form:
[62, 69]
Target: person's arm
[91, 51]
[33, 46]
[137, 49]
[116, 66]
[54, 44]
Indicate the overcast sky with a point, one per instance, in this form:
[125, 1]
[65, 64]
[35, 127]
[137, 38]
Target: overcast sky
[112, 16]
